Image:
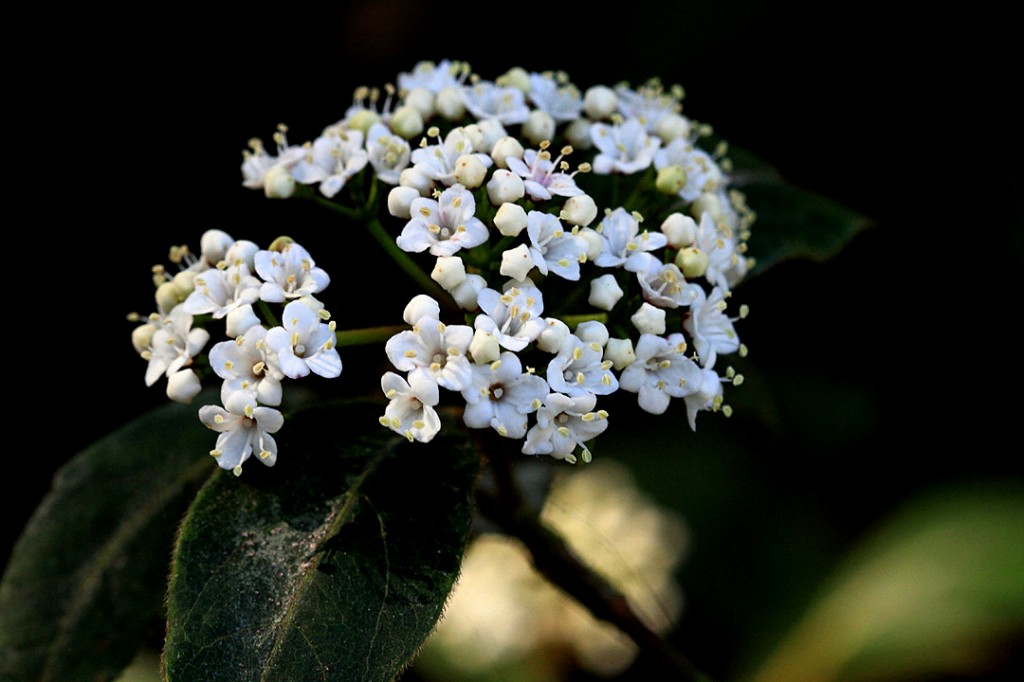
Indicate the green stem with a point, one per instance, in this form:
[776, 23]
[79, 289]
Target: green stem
[367, 335]
[349, 213]
[573, 321]
[268, 314]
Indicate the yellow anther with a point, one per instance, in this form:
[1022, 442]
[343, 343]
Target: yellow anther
[502, 431]
[589, 417]
[215, 453]
[248, 411]
[580, 378]
[454, 352]
[495, 365]
[384, 421]
[264, 454]
[218, 419]
[418, 424]
[606, 379]
[567, 150]
[564, 431]
[587, 457]
[603, 414]
[435, 367]
[237, 471]
[535, 404]
[743, 350]
[577, 353]
[409, 353]
[228, 365]
[607, 365]
[390, 393]
[425, 212]
[396, 422]
[456, 202]
[665, 364]
[737, 380]
[295, 339]
[408, 435]
[744, 311]
[727, 410]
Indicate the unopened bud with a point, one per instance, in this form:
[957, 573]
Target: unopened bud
[185, 282]
[484, 347]
[411, 177]
[449, 272]
[707, 203]
[516, 77]
[485, 134]
[419, 307]
[363, 120]
[600, 102]
[692, 262]
[516, 263]
[505, 187]
[470, 171]
[592, 331]
[594, 241]
[450, 103]
[605, 292]
[681, 230]
[672, 126]
[183, 385]
[466, 293]
[422, 100]
[553, 336]
[214, 244]
[242, 251]
[579, 210]
[142, 336]
[620, 353]
[278, 183]
[510, 219]
[407, 122]
[504, 148]
[578, 134]
[649, 320]
[671, 180]
[400, 199]
[168, 296]
[539, 126]
[240, 320]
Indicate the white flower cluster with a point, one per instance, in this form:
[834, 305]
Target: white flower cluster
[224, 282]
[514, 231]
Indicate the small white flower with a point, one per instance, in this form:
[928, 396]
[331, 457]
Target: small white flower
[219, 292]
[514, 316]
[304, 344]
[434, 354]
[408, 413]
[553, 249]
[433, 77]
[649, 104]
[443, 226]
[563, 102]
[563, 424]
[542, 176]
[289, 273]
[173, 345]
[487, 100]
[579, 369]
[624, 148]
[705, 394]
[710, 327]
[702, 173]
[244, 429]
[664, 284]
[500, 395]
[333, 158]
[438, 161]
[247, 364]
[388, 154]
[623, 241]
[660, 372]
[717, 242]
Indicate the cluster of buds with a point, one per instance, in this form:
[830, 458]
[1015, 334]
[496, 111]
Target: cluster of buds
[553, 289]
[223, 284]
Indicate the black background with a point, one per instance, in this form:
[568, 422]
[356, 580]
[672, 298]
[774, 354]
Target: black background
[129, 139]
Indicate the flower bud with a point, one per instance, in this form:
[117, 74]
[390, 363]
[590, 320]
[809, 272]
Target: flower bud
[242, 251]
[449, 272]
[600, 102]
[593, 240]
[692, 262]
[672, 126]
[539, 126]
[504, 148]
[510, 219]
[278, 183]
[168, 296]
[240, 320]
[516, 77]
[450, 103]
[411, 177]
[579, 210]
[505, 187]
[407, 122]
[184, 281]
[620, 353]
[363, 120]
[605, 292]
[578, 134]
[484, 347]
[214, 244]
[553, 336]
[470, 171]
[183, 385]
[592, 331]
[707, 203]
[419, 307]
[649, 320]
[516, 263]
[465, 294]
[400, 199]
[681, 230]
[142, 336]
[422, 100]
[671, 180]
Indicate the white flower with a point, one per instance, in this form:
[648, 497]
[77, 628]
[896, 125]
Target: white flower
[578, 369]
[541, 175]
[563, 102]
[334, 157]
[563, 424]
[710, 327]
[433, 77]
[487, 100]
[388, 154]
[719, 245]
[623, 241]
[219, 292]
[247, 364]
[434, 354]
[624, 148]
[514, 316]
[443, 226]
[173, 345]
[501, 395]
[660, 372]
[664, 284]
[438, 161]
[289, 273]
[304, 344]
[244, 429]
[650, 104]
[553, 249]
[408, 413]
[702, 173]
[183, 385]
[705, 394]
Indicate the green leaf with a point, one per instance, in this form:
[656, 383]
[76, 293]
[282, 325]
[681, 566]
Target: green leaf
[936, 591]
[90, 570]
[792, 222]
[333, 565]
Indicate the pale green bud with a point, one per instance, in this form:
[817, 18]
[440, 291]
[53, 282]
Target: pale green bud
[539, 126]
[671, 180]
[692, 262]
[407, 122]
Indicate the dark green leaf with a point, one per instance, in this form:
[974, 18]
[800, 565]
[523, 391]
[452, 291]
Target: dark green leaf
[333, 565]
[792, 222]
[90, 570]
